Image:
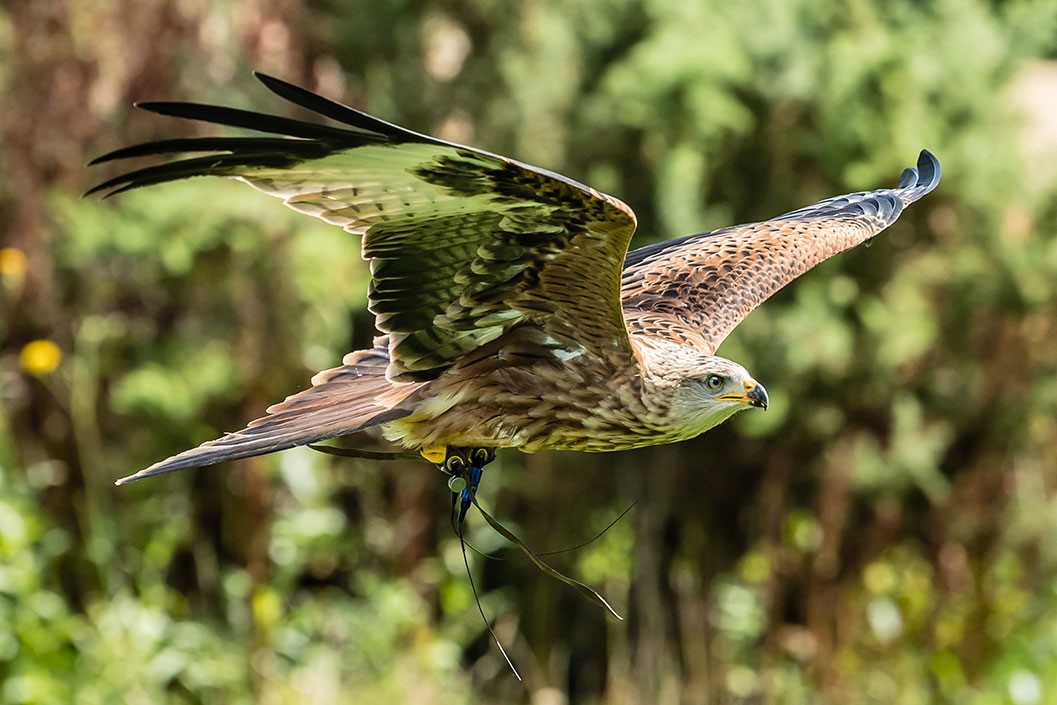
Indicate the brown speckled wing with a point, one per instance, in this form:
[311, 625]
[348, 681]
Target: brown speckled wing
[696, 289]
[463, 244]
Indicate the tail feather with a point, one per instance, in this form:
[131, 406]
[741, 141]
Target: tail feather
[341, 401]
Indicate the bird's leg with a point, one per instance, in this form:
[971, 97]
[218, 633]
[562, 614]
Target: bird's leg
[464, 468]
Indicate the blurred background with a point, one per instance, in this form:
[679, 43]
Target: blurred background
[883, 534]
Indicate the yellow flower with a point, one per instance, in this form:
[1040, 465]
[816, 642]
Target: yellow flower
[12, 263]
[40, 357]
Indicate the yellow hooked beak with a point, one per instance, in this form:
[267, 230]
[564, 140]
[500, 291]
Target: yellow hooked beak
[755, 395]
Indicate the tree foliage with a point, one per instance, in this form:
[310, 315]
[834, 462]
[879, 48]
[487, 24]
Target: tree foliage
[880, 535]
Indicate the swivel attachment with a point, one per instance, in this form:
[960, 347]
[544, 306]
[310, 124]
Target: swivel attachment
[464, 467]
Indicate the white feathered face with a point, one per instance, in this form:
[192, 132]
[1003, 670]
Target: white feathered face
[713, 390]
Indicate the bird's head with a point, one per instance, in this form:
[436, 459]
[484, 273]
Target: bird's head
[705, 390]
[718, 388]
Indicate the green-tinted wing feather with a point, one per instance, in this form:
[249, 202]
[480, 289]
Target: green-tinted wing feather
[463, 244]
[696, 289]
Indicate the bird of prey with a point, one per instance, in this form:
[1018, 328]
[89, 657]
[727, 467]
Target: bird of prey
[510, 311]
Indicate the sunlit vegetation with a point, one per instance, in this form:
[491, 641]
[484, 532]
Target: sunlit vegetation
[883, 534]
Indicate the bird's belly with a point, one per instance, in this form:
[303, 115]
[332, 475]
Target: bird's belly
[559, 419]
[529, 434]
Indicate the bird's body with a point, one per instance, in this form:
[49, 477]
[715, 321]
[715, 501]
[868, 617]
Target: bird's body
[512, 314]
[581, 404]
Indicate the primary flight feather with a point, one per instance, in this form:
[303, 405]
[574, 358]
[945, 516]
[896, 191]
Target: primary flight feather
[511, 313]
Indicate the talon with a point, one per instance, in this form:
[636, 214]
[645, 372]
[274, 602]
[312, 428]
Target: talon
[435, 454]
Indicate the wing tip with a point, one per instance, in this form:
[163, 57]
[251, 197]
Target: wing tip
[929, 171]
[924, 177]
[271, 82]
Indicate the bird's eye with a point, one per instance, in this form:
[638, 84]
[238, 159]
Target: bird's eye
[713, 382]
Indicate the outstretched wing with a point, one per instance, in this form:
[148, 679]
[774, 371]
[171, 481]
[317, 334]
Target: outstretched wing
[694, 290]
[463, 244]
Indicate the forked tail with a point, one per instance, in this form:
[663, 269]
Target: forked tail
[340, 401]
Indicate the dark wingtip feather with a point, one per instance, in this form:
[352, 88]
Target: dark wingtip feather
[925, 176]
[230, 164]
[886, 204]
[916, 181]
[247, 119]
[339, 111]
[929, 171]
[173, 146]
[296, 140]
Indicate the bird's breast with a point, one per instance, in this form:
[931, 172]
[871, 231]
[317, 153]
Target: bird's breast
[577, 405]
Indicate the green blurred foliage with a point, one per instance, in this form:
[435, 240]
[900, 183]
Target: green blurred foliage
[882, 534]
